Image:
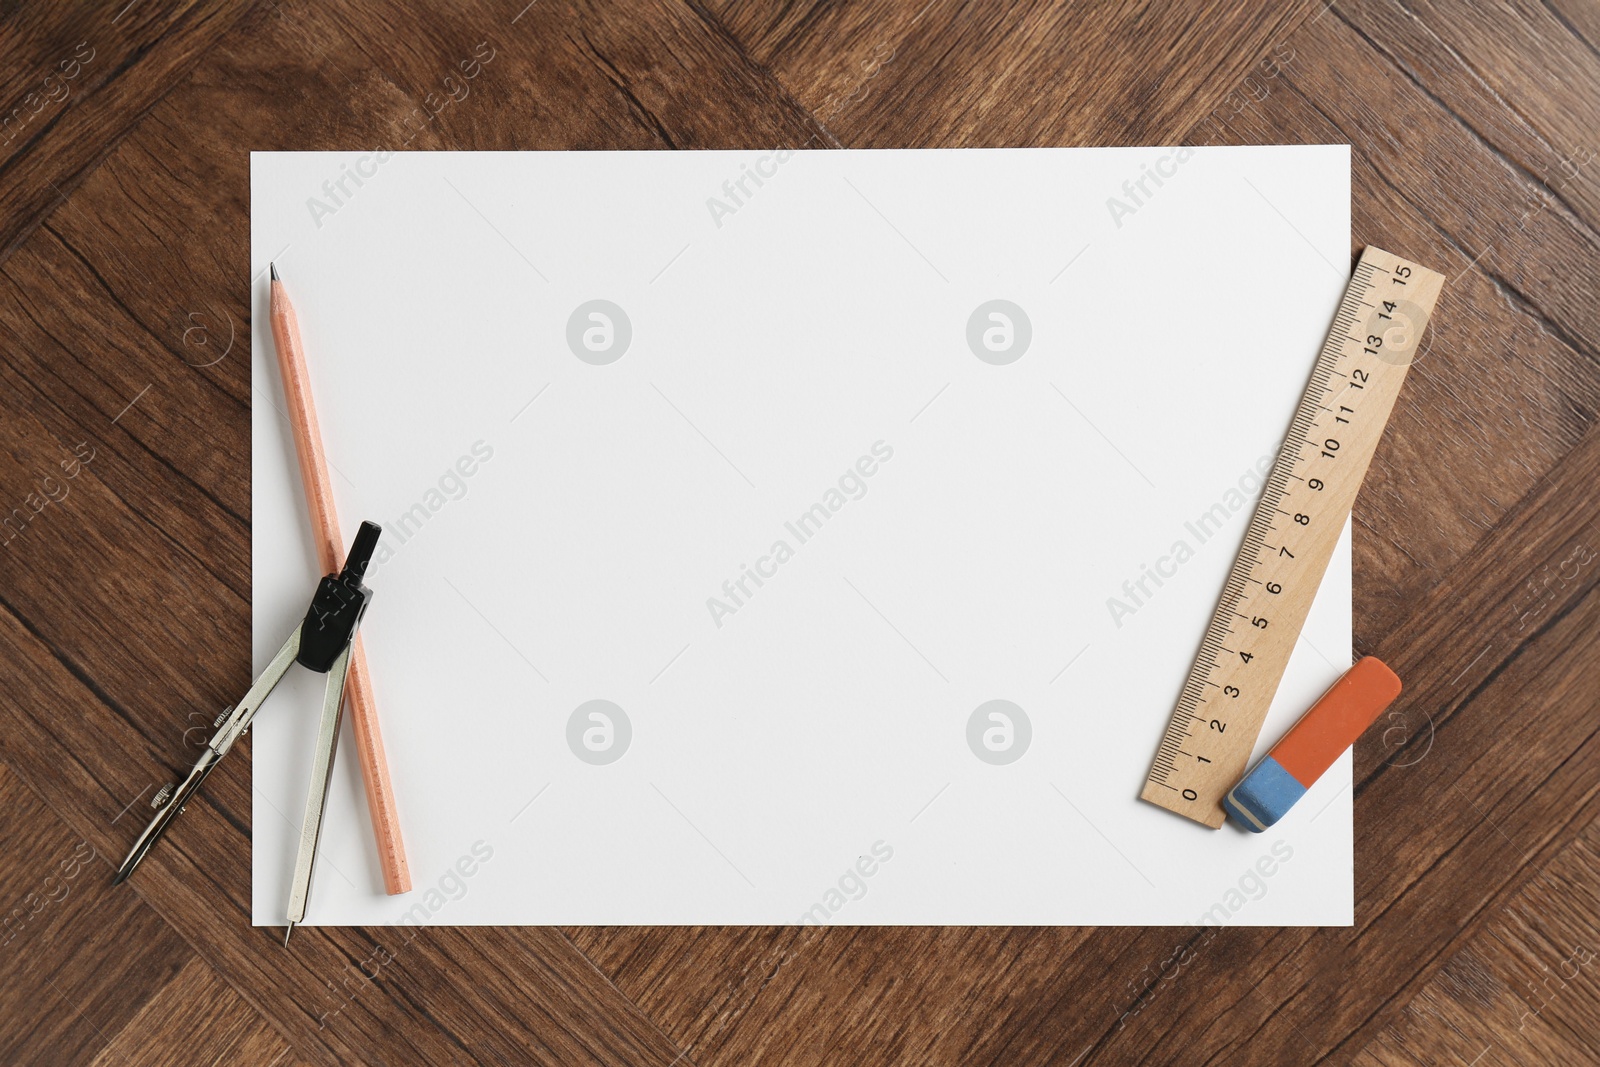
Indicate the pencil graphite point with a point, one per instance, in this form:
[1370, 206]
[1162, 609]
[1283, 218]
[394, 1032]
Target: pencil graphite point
[273, 267]
[287, 931]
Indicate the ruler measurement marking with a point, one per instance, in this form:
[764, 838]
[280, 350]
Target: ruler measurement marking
[1288, 573]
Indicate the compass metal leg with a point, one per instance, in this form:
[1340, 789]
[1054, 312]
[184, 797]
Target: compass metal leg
[228, 731]
[317, 799]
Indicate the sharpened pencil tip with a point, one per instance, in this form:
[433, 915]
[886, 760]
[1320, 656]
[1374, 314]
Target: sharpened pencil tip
[120, 877]
[273, 267]
[287, 931]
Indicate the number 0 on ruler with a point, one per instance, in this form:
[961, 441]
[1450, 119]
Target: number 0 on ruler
[1297, 522]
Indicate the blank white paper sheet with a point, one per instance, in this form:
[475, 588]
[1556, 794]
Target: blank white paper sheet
[791, 537]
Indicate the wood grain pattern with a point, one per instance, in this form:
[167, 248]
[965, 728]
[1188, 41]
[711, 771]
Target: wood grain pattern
[125, 305]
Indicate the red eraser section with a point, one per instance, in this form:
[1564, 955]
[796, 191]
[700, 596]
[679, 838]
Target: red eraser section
[1335, 721]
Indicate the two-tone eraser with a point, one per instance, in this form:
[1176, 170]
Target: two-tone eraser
[1311, 746]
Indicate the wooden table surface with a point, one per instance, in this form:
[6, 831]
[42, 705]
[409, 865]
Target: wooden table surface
[125, 304]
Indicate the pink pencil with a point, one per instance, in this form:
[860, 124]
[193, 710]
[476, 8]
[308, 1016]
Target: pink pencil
[330, 553]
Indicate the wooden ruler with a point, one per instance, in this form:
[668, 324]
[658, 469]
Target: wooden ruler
[1297, 522]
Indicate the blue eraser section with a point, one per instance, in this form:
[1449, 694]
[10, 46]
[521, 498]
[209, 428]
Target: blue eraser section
[1265, 796]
